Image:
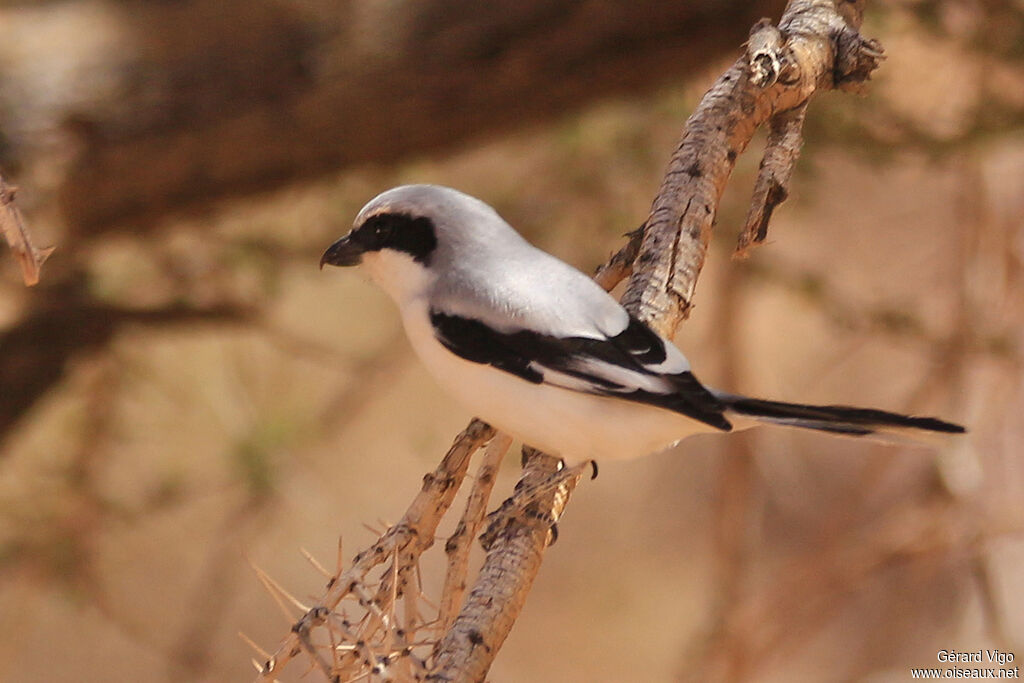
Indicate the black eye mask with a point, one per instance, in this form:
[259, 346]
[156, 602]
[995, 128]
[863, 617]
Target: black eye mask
[398, 231]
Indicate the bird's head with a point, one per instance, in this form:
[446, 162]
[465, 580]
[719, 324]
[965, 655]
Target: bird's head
[407, 236]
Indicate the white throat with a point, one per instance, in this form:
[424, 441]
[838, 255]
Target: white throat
[401, 277]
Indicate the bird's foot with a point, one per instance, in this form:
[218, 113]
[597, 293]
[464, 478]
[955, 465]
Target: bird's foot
[523, 504]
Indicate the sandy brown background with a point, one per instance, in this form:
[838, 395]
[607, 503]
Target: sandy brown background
[136, 489]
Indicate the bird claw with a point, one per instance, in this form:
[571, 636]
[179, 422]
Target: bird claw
[522, 504]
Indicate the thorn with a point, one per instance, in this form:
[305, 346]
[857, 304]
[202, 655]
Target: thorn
[341, 560]
[316, 565]
[259, 667]
[259, 650]
[335, 659]
[593, 470]
[276, 592]
[291, 598]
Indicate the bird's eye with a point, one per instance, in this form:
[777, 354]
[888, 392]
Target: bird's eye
[382, 231]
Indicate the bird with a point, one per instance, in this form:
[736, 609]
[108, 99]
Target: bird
[540, 351]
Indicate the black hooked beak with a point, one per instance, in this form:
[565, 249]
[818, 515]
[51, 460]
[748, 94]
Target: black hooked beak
[344, 252]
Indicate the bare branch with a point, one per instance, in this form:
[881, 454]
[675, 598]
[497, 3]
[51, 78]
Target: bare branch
[678, 229]
[513, 561]
[772, 186]
[620, 265]
[460, 541]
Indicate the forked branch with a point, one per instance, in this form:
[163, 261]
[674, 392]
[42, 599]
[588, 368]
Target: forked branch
[816, 46]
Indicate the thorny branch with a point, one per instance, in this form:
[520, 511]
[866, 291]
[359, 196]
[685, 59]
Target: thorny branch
[412, 536]
[459, 543]
[816, 46]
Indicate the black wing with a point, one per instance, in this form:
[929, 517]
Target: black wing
[623, 366]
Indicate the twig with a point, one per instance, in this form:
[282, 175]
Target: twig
[459, 543]
[12, 225]
[415, 532]
[620, 265]
[771, 188]
[494, 603]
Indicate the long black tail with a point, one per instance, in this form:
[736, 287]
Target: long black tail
[836, 419]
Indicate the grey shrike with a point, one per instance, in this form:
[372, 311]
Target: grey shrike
[538, 349]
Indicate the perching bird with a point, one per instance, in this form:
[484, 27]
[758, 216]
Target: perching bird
[538, 349]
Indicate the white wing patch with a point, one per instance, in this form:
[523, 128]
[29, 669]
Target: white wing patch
[626, 366]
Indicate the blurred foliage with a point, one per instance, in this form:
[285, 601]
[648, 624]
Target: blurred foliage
[257, 455]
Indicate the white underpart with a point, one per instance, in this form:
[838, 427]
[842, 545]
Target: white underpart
[573, 425]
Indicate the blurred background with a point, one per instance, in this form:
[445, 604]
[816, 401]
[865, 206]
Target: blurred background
[185, 392]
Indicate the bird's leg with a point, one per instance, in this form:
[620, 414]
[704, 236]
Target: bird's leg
[524, 502]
